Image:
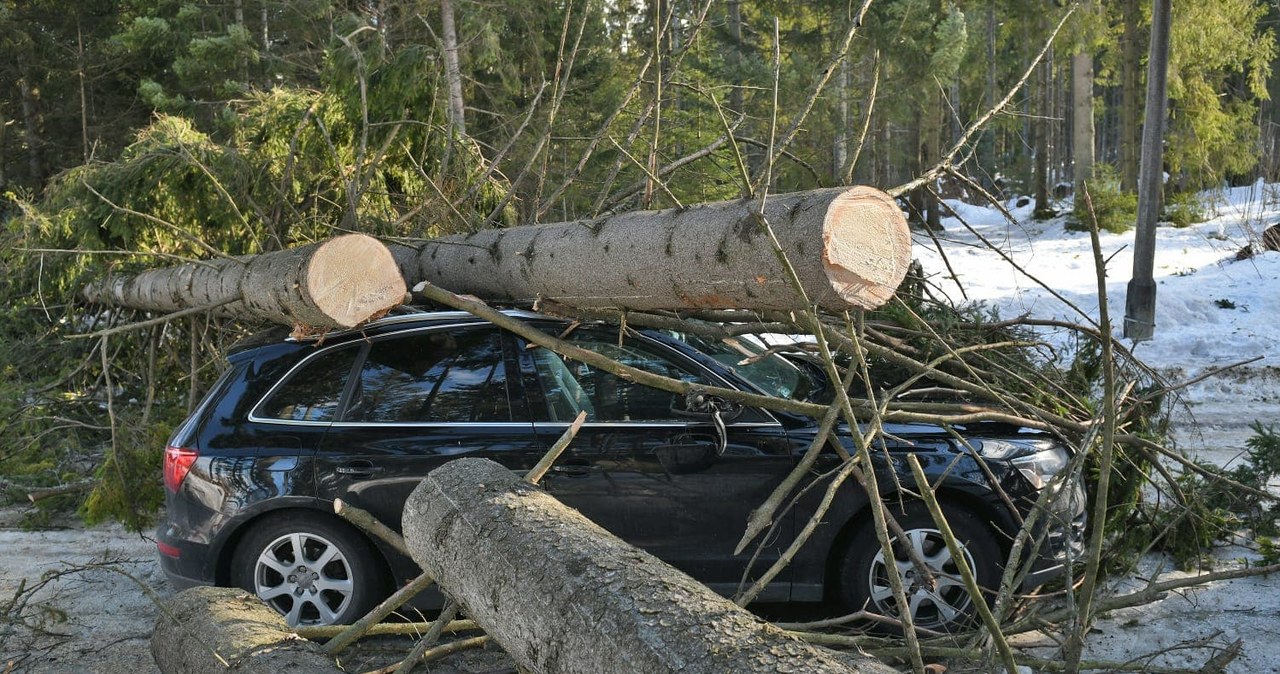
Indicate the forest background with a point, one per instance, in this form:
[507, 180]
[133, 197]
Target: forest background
[134, 134]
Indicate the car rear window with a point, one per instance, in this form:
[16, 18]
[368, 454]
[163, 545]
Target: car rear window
[312, 392]
[433, 377]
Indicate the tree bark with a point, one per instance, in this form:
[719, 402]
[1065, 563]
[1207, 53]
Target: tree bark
[338, 283]
[840, 144]
[1131, 98]
[851, 247]
[215, 630]
[561, 595]
[1041, 129]
[31, 124]
[452, 70]
[1081, 119]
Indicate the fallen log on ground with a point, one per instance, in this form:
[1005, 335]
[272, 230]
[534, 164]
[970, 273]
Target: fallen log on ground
[338, 283]
[563, 596]
[211, 629]
[850, 247]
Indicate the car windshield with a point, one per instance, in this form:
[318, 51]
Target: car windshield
[769, 372]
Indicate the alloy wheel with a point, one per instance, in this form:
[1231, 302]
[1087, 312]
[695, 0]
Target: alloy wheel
[930, 604]
[305, 577]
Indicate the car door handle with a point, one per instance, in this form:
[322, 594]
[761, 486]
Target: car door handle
[359, 469]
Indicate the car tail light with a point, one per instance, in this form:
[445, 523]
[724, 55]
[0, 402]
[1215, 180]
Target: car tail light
[168, 550]
[177, 463]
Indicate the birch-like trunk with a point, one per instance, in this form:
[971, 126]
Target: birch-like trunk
[1081, 119]
[452, 69]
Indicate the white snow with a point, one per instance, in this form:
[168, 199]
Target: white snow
[1212, 310]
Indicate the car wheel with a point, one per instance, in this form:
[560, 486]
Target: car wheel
[312, 571]
[947, 606]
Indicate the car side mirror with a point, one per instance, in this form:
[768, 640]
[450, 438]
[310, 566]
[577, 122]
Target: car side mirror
[699, 404]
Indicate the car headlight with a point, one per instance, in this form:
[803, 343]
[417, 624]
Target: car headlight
[1037, 460]
[1039, 468]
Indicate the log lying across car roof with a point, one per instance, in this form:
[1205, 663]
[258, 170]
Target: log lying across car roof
[849, 247]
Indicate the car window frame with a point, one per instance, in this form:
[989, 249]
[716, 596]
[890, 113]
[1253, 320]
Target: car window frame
[515, 385]
[255, 414]
[515, 389]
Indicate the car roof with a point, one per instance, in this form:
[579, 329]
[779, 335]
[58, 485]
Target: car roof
[282, 335]
[424, 316]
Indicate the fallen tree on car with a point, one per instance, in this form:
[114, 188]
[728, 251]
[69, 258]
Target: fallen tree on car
[338, 283]
[850, 248]
[561, 595]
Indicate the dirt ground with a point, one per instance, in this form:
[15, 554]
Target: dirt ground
[95, 613]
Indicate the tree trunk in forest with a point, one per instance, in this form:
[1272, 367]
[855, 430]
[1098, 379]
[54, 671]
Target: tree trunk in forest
[217, 629]
[987, 148]
[930, 153]
[338, 283]
[563, 596]
[4, 133]
[840, 144]
[84, 101]
[849, 246]
[1041, 130]
[915, 166]
[31, 124]
[1131, 98]
[452, 70]
[1081, 119]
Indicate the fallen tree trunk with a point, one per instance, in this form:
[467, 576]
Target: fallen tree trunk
[563, 596]
[850, 248]
[338, 283]
[210, 629]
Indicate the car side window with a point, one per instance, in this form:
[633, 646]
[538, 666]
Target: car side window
[433, 377]
[569, 386]
[313, 391]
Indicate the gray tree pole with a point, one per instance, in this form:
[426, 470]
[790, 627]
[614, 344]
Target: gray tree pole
[1140, 300]
[1082, 135]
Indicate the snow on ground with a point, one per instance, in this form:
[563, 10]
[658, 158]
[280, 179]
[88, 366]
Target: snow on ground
[1212, 310]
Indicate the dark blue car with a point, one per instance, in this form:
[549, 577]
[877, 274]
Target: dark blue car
[362, 416]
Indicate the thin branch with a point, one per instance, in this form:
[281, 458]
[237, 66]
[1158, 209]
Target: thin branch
[159, 320]
[535, 474]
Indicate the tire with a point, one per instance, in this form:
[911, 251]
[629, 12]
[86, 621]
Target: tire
[334, 581]
[863, 575]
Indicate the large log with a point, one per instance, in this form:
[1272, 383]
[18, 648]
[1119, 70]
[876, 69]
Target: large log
[338, 283]
[563, 596]
[208, 629]
[850, 248]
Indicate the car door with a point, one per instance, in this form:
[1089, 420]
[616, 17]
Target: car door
[419, 398]
[647, 473]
